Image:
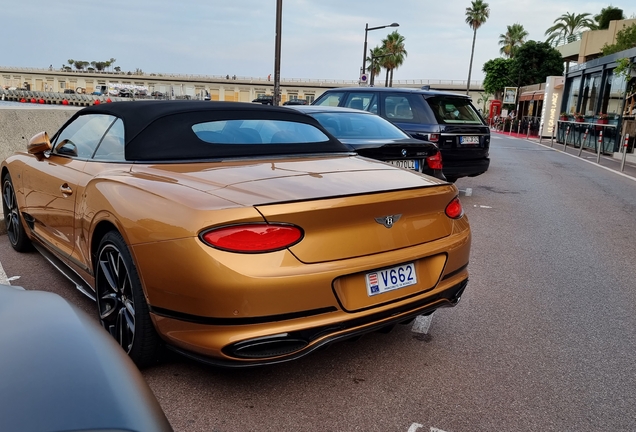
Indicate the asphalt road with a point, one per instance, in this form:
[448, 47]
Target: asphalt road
[544, 338]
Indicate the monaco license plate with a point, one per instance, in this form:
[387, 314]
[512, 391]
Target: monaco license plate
[390, 279]
[469, 139]
[405, 163]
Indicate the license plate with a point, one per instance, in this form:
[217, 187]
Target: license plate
[469, 140]
[390, 279]
[406, 163]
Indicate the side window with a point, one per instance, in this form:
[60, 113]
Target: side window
[398, 107]
[81, 137]
[330, 99]
[111, 148]
[363, 101]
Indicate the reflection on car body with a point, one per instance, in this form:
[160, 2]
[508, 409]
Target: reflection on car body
[238, 234]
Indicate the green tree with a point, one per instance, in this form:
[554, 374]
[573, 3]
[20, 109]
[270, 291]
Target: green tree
[625, 39]
[608, 14]
[374, 61]
[497, 76]
[393, 48]
[483, 99]
[534, 62]
[567, 25]
[514, 37]
[476, 16]
[70, 62]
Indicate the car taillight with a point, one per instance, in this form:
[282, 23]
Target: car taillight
[253, 238]
[433, 138]
[435, 162]
[454, 209]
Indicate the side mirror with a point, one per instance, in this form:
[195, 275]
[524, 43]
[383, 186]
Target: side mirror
[39, 144]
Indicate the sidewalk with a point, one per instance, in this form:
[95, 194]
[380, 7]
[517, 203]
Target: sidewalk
[609, 162]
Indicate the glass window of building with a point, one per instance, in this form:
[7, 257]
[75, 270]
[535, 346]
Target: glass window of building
[613, 95]
[591, 93]
[573, 95]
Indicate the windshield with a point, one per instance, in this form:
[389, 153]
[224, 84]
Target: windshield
[351, 125]
[453, 110]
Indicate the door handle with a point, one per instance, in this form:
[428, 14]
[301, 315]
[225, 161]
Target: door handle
[66, 189]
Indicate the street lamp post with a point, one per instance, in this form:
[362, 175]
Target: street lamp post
[367, 29]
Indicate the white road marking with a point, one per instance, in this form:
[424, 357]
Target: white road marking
[469, 192]
[3, 276]
[481, 206]
[415, 426]
[13, 278]
[422, 324]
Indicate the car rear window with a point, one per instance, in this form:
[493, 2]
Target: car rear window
[258, 132]
[450, 110]
[344, 125]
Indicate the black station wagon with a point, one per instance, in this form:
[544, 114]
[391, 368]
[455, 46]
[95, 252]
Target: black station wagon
[448, 119]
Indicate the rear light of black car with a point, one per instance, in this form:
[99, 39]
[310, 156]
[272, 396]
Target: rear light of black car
[454, 209]
[433, 137]
[435, 162]
[253, 237]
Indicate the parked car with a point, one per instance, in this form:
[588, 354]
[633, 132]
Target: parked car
[69, 91]
[372, 136]
[62, 372]
[296, 102]
[238, 234]
[448, 119]
[264, 99]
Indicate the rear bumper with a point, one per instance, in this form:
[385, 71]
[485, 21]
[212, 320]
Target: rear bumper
[294, 344]
[465, 168]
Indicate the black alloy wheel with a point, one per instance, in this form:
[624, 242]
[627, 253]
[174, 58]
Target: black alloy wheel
[122, 308]
[15, 230]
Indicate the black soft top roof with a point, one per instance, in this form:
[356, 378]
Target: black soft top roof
[162, 130]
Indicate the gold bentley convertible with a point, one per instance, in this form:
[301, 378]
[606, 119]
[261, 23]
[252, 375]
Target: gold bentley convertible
[236, 234]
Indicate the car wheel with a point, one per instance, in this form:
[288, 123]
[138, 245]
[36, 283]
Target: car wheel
[15, 230]
[121, 304]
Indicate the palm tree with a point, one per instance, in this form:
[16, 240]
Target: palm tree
[393, 48]
[567, 25]
[476, 15]
[111, 61]
[374, 61]
[514, 37]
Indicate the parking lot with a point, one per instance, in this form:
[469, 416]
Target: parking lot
[543, 338]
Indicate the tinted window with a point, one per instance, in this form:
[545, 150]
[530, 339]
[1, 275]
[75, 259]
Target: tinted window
[258, 132]
[358, 126]
[330, 99]
[80, 138]
[398, 107]
[450, 110]
[363, 101]
[111, 148]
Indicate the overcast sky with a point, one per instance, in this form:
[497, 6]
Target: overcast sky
[321, 39]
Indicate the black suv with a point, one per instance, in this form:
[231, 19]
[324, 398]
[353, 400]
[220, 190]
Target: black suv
[448, 119]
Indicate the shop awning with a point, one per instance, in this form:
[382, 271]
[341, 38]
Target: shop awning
[526, 96]
[533, 95]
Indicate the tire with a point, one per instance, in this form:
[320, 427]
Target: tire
[15, 227]
[121, 303]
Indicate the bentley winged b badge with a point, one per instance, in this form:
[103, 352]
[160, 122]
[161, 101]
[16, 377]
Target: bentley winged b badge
[389, 220]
